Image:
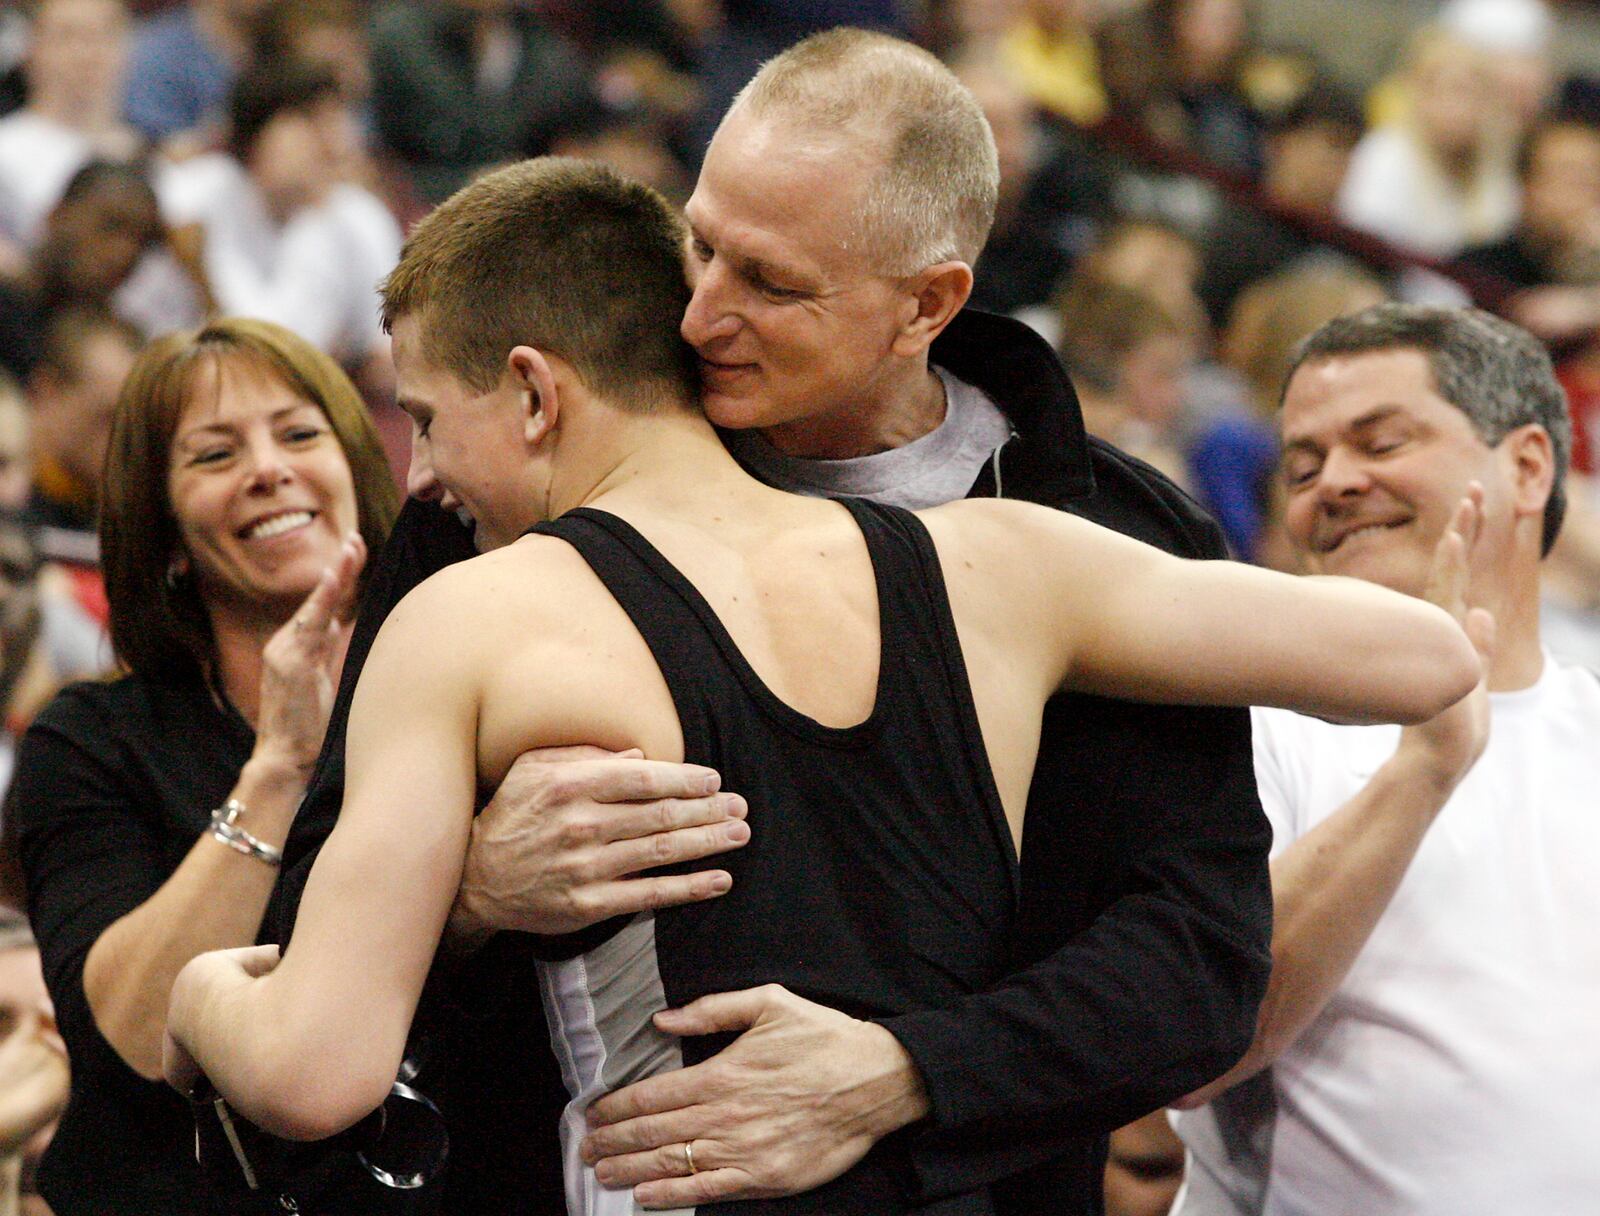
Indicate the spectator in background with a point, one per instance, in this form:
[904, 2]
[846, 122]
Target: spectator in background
[1162, 261]
[1127, 357]
[1159, 259]
[461, 85]
[645, 53]
[33, 1061]
[1517, 37]
[284, 235]
[1551, 260]
[1552, 263]
[1441, 176]
[73, 115]
[1306, 154]
[1050, 49]
[184, 63]
[329, 33]
[47, 636]
[1052, 195]
[1198, 98]
[84, 358]
[98, 244]
[1430, 1021]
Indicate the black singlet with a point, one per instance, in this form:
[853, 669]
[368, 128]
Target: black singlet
[880, 876]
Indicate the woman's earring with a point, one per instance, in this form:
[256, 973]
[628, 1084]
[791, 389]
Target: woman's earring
[177, 571]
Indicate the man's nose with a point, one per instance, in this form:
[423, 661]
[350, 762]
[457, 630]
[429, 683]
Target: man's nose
[1343, 473]
[709, 316]
[420, 481]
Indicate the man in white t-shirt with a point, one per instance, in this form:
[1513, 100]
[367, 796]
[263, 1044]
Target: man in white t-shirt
[1433, 1022]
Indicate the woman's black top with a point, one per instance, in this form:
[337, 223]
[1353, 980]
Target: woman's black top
[114, 783]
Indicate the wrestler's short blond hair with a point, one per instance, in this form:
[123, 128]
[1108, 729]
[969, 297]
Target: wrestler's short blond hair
[564, 255]
[933, 198]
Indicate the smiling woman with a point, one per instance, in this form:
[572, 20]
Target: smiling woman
[243, 485]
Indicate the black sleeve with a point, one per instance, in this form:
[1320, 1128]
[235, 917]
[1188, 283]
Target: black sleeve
[424, 541]
[1161, 873]
[1144, 940]
[89, 841]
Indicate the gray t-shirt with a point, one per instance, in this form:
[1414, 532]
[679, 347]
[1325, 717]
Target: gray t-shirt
[939, 467]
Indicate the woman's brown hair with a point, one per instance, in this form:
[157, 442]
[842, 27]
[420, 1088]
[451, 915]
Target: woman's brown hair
[159, 626]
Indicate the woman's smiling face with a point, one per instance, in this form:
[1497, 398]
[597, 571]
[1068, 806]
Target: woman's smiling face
[260, 488]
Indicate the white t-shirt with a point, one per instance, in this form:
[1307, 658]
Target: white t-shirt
[38, 157]
[1456, 1071]
[317, 274]
[1394, 191]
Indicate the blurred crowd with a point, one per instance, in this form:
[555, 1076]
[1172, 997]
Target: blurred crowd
[1181, 203]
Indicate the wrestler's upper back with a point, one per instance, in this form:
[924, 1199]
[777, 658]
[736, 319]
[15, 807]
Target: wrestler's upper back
[795, 590]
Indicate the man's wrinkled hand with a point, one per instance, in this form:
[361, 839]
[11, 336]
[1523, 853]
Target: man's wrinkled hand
[560, 845]
[791, 1104]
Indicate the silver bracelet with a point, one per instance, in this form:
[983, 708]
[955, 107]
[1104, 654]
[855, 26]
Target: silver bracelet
[225, 827]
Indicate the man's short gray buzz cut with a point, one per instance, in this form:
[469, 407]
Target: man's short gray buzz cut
[1496, 374]
[934, 198]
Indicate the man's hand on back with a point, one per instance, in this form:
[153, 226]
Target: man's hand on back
[792, 1103]
[557, 848]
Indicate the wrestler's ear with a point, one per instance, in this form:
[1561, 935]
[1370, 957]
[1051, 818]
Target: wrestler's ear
[536, 384]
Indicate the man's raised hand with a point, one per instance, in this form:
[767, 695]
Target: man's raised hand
[1451, 743]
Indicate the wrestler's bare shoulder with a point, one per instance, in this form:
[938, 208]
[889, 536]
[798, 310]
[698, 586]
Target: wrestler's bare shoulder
[995, 544]
[535, 581]
[1003, 526]
[530, 636]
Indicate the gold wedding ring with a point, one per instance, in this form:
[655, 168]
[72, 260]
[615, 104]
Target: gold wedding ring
[688, 1157]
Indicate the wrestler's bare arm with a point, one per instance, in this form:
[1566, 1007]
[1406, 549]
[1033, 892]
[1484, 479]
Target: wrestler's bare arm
[1112, 616]
[307, 1048]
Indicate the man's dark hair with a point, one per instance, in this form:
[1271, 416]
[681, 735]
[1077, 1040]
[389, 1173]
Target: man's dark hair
[269, 88]
[94, 175]
[1496, 374]
[563, 255]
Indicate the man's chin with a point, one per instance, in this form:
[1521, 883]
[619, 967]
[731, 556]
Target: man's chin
[734, 411]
